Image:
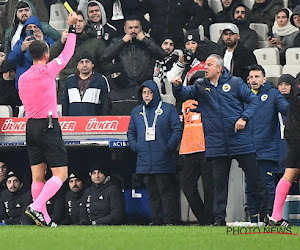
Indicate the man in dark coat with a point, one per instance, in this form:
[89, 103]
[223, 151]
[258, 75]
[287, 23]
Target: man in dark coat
[103, 201]
[224, 15]
[135, 51]
[265, 131]
[154, 133]
[3, 174]
[236, 56]
[221, 99]
[295, 20]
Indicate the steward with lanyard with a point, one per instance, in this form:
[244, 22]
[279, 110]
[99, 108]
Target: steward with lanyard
[154, 133]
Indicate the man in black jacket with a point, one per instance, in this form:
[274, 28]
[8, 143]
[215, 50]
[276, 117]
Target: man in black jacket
[224, 15]
[73, 199]
[14, 200]
[136, 52]
[3, 175]
[236, 56]
[103, 202]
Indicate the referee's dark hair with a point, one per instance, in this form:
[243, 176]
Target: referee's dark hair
[257, 67]
[37, 49]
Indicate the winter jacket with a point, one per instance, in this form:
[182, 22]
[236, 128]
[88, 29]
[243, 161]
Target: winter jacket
[105, 30]
[92, 101]
[248, 37]
[224, 16]
[103, 204]
[10, 31]
[297, 41]
[265, 12]
[73, 204]
[137, 57]
[86, 41]
[168, 18]
[21, 59]
[264, 124]
[241, 58]
[7, 16]
[220, 108]
[156, 156]
[13, 206]
[292, 126]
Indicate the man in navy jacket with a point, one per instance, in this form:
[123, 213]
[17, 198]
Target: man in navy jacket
[265, 131]
[221, 99]
[154, 133]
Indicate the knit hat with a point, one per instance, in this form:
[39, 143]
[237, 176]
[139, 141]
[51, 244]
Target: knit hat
[287, 78]
[192, 35]
[84, 55]
[75, 174]
[7, 66]
[21, 5]
[232, 27]
[11, 174]
[296, 11]
[101, 166]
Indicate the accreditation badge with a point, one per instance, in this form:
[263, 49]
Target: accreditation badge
[150, 134]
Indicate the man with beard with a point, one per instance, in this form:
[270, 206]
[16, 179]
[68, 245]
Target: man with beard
[3, 175]
[24, 10]
[241, 16]
[86, 91]
[73, 199]
[236, 56]
[14, 201]
[166, 70]
[224, 15]
[135, 51]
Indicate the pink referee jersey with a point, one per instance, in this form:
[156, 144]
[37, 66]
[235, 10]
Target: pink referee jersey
[37, 86]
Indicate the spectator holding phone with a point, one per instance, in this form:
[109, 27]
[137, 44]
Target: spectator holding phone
[283, 33]
[31, 31]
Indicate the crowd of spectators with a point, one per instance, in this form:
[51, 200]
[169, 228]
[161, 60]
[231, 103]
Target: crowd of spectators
[121, 45]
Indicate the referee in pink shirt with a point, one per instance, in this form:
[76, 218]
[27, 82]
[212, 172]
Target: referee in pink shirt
[37, 90]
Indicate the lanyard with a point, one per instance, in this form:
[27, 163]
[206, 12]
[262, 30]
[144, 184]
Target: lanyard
[155, 117]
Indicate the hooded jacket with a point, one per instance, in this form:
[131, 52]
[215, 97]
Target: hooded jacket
[93, 99]
[10, 31]
[105, 31]
[21, 59]
[265, 12]
[264, 124]
[156, 156]
[224, 16]
[296, 11]
[220, 108]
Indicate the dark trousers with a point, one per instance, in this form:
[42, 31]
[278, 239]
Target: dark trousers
[194, 167]
[266, 169]
[163, 197]
[248, 163]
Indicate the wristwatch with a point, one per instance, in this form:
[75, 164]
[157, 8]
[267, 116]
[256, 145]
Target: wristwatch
[244, 118]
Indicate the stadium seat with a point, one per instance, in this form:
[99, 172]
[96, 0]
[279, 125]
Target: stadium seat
[292, 56]
[291, 69]
[59, 110]
[285, 3]
[216, 5]
[272, 70]
[6, 111]
[59, 17]
[273, 80]
[201, 32]
[267, 56]
[261, 30]
[215, 31]
[249, 3]
[21, 111]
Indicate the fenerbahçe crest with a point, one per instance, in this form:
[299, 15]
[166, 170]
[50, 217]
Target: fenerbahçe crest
[226, 87]
[264, 97]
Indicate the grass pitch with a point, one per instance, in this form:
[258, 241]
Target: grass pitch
[139, 237]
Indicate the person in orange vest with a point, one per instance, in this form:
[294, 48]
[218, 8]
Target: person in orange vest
[193, 149]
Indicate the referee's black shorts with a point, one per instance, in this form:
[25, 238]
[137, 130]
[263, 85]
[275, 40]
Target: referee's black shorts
[293, 154]
[45, 145]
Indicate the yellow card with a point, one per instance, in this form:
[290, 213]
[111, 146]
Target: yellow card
[68, 7]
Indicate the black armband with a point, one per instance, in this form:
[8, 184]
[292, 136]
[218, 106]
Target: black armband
[72, 29]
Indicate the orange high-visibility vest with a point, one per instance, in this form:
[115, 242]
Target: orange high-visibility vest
[193, 136]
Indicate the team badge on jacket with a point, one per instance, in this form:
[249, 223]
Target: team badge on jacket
[264, 97]
[226, 87]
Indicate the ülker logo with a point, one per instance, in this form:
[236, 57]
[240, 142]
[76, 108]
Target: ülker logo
[259, 230]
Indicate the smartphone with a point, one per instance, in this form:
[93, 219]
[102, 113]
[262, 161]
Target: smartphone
[270, 34]
[30, 33]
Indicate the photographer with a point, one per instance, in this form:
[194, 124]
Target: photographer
[31, 31]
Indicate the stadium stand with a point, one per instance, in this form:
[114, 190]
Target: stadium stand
[291, 69]
[59, 17]
[267, 56]
[215, 31]
[262, 32]
[293, 56]
[6, 111]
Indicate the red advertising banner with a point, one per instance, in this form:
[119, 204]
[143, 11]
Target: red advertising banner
[72, 124]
